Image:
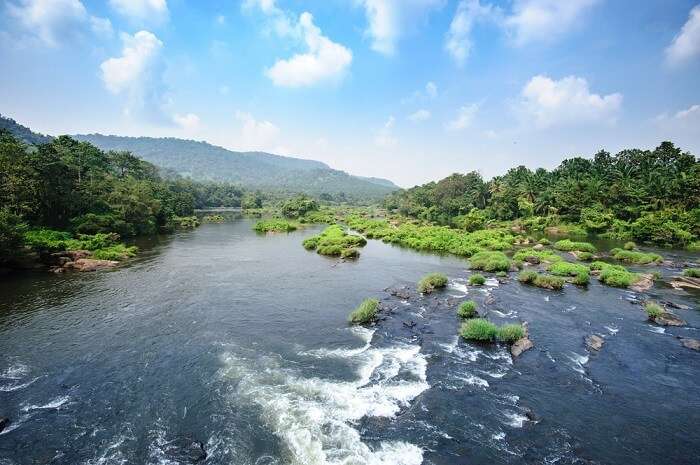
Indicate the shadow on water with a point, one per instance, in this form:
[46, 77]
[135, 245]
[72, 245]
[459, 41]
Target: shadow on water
[224, 342]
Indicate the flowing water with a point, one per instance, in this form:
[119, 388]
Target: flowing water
[224, 341]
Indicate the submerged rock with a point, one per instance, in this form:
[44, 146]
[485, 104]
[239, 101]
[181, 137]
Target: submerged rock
[4, 423]
[690, 343]
[669, 319]
[91, 264]
[490, 299]
[594, 342]
[644, 284]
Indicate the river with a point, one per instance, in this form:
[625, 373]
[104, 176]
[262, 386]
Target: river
[233, 343]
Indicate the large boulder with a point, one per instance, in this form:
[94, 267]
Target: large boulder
[668, 319]
[594, 342]
[521, 345]
[644, 284]
[91, 264]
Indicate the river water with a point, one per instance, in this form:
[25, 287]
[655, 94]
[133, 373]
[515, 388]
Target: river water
[233, 343]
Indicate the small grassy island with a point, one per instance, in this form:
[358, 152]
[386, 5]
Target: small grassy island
[275, 225]
[335, 241]
[431, 281]
[365, 313]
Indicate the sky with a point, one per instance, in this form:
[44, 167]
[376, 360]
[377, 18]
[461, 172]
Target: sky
[409, 90]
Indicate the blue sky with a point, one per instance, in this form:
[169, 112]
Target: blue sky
[411, 90]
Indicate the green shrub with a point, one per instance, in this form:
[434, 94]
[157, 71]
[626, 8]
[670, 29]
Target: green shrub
[365, 313]
[596, 219]
[47, 240]
[692, 272]
[541, 280]
[694, 246]
[472, 221]
[665, 227]
[478, 329]
[536, 256]
[510, 333]
[653, 309]
[490, 261]
[501, 274]
[631, 256]
[298, 206]
[578, 271]
[349, 253]
[432, 281]
[335, 241]
[115, 252]
[476, 279]
[274, 225]
[93, 223]
[615, 275]
[629, 245]
[186, 222]
[213, 219]
[12, 234]
[571, 246]
[467, 309]
[544, 241]
[584, 256]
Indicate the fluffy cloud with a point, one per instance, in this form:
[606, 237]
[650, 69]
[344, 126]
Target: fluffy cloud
[465, 117]
[535, 20]
[141, 10]
[420, 115]
[189, 122]
[692, 112]
[53, 20]
[385, 136]
[686, 45]
[458, 39]
[431, 89]
[567, 101]
[129, 70]
[389, 19]
[280, 22]
[256, 135]
[324, 59]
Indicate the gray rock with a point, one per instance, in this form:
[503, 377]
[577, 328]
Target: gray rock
[693, 344]
[594, 342]
[4, 423]
[520, 346]
[669, 319]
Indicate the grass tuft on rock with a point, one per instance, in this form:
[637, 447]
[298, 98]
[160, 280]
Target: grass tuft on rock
[638, 258]
[478, 329]
[467, 309]
[572, 246]
[629, 245]
[536, 256]
[653, 310]
[614, 275]
[335, 241]
[490, 261]
[432, 281]
[580, 273]
[274, 225]
[692, 272]
[477, 279]
[541, 280]
[510, 333]
[365, 313]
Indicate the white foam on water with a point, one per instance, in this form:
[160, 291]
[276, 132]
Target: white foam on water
[611, 329]
[510, 314]
[579, 361]
[492, 282]
[363, 333]
[496, 374]
[315, 417]
[112, 454]
[499, 436]
[17, 370]
[472, 380]
[514, 419]
[657, 329]
[462, 353]
[546, 298]
[461, 287]
[56, 403]
[16, 386]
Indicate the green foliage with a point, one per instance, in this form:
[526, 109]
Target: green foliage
[536, 256]
[576, 270]
[639, 258]
[298, 206]
[540, 280]
[490, 261]
[584, 256]
[186, 222]
[115, 252]
[667, 227]
[335, 241]
[569, 246]
[510, 333]
[694, 246]
[467, 309]
[614, 275]
[47, 240]
[472, 221]
[365, 313]
[653, 309]
[318, 217]
[544, 241]
[274, 225]
[477, 279]
[432, 281]
[692, 272]
[478, 329]
[12, 231]
[629, 245]
[596, 219]
[213, 219]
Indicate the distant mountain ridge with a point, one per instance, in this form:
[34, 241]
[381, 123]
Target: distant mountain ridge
[202, 161]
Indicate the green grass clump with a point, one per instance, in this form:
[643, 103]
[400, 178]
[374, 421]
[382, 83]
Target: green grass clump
[365, 313]
[544, 241]
[629, 245]
[692, 273]
[115, 252]
[274, 225]
[653, 309]
[335, 241]
[536, 256]
[578, 271]
[510, 333]
[501, 274]
[467, 309]
[476, 279]
[186, 222]
[541, 280]
[490, 261]
[213, 219]
[432, 281]
[584, 256]
[614, 275]
[571, 246]
[478, 329]
[639, 258]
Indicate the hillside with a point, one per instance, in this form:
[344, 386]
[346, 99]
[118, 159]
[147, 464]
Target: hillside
[23, 133]
[253, 170]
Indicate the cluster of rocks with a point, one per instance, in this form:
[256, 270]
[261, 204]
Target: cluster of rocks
[77, 260]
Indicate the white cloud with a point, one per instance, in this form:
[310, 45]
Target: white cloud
[420, 115]
[52, 21]
[385, 136]
[431, 89]
[686, 45]
[458, 41]
[389, 20]
[465, 117]
[189, 122]
[256, 135]
[430, 92]
[692, 112]
[281, 22]
[567, 101]
[128, 71]
[324, 59]
[543, 20]
[141, 10]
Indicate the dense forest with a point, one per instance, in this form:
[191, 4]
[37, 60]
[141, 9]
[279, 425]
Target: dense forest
[68, 185]
[646, 195]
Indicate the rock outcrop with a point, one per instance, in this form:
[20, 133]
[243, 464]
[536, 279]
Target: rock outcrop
[523, 344]
[680, 282]
[644, 284]
[690, 343]
[668, 319]
[594, 342]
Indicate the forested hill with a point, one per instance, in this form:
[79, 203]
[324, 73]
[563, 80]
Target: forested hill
[23, 133]
[253, 170]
